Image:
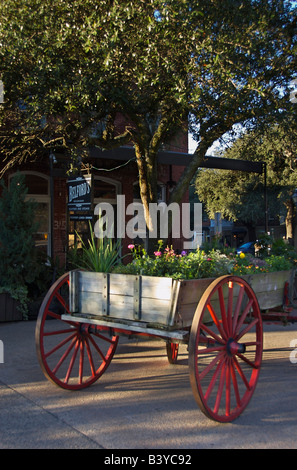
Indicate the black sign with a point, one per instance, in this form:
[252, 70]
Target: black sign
[80, 193]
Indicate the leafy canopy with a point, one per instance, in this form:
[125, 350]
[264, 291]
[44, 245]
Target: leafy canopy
[277, 147]
[70, 67]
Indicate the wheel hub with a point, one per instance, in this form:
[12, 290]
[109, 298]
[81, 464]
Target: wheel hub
[235, 348]
[84, 329]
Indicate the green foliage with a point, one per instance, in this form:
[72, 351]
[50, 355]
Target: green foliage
[247, 264]
[17, 248]
[283, 249]
[199, 264]
[276, 146]
[278, 263]
[166, 263]
[69, 67]
[18, 258]
[20, 294]
[99, 255]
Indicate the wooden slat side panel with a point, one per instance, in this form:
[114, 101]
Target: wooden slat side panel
[90, 303]
[122, 307]
[156, 287]
[156, 299]
[157, 311]
[122, 284]
[90, 282]
[192, 290]
[269, 287]
[148, 299]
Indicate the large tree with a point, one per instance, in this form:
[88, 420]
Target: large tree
[68, 65]
[240, 196]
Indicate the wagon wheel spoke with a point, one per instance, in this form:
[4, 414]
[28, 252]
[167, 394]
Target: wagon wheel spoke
[81, 362]
[90, 357]
[72, 361]
[225, 348]
[59, 345]
[211, 365]
[63, 357]
[71, 354]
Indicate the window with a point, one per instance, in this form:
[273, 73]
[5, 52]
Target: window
[161, 188]
[104, 190]
[38, 190]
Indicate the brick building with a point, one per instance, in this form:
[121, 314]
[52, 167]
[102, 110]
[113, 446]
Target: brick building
[114, 173]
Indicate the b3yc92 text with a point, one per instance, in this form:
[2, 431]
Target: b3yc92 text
[174, 459]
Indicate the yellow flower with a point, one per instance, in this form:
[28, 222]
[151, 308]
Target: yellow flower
[242, 255]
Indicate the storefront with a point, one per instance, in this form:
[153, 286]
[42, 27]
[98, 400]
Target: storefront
[114, 175]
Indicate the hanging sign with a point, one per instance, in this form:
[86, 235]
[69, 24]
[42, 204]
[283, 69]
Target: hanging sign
[80, 193]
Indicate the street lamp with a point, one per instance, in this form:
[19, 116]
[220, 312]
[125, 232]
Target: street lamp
[52, 160]
[1, 92]
[294, 197]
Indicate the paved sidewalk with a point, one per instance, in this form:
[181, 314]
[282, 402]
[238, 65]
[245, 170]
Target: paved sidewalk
[141, 402]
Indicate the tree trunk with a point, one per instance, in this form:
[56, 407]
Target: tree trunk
[148, 176]
[290, 219]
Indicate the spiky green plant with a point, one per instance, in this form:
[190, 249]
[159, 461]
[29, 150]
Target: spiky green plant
[99, 255]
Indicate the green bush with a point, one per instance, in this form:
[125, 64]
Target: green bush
[18, 258]
[281, 248]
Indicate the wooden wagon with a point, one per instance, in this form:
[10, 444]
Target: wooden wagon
[84, 313]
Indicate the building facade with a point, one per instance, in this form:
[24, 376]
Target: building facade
[114, 173]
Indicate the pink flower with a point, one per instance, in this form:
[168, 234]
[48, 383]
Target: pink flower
[157, 253]
[131, 247]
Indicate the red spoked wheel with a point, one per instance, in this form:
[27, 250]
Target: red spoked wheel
[225, 348]
[71, 354]
[172, 352]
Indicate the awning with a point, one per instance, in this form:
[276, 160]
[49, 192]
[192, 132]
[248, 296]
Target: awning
[180, 159]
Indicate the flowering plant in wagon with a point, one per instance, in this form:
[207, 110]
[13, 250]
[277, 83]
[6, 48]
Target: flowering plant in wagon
[247, 264]
[197, 264]
[168, 263]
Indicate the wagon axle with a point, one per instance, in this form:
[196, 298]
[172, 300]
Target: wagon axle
[235, 348]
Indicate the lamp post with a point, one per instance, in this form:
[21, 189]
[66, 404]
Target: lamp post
[294, 197]
[52, 160]
[1, 92]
